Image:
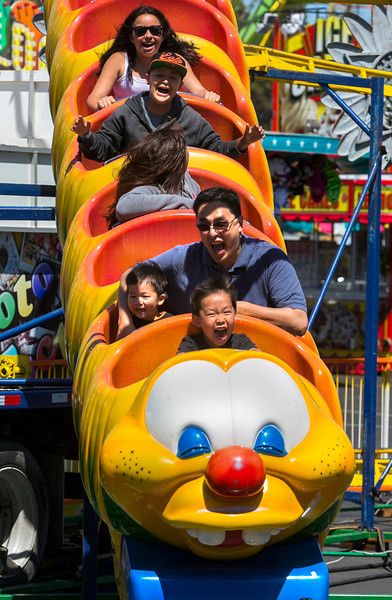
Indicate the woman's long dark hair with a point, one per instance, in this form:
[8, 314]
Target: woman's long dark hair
[159, 159]
[171, 42]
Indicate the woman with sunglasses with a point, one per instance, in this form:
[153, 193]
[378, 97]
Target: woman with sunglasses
[153, 177]
[124, 66]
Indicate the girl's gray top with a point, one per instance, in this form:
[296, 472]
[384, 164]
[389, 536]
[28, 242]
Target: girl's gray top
[146, 199]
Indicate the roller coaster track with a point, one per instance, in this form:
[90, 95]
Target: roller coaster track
[263, 60]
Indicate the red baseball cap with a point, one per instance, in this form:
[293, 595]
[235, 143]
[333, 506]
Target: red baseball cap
[169, 59]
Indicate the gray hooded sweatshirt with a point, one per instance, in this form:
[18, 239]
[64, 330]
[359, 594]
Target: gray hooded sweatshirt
[146, 199]
[129, 124]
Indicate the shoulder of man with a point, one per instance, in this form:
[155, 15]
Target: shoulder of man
[260, 247]
[181, 253]
[188, 250]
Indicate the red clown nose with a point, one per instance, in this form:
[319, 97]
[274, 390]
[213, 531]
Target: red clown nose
[235, 471]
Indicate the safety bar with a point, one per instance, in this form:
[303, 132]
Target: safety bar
[14, 331]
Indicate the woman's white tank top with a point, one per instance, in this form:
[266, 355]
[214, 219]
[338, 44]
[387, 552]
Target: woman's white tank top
[126, 87]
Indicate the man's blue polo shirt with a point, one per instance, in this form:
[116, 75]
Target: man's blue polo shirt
[262, 274]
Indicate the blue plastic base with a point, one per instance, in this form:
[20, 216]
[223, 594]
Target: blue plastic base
[282, 572]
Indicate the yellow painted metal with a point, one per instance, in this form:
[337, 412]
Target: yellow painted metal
[379, 466]
[58, 16]
[263, 59]
[348, 374]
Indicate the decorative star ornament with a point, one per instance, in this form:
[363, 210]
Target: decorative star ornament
[375, 52]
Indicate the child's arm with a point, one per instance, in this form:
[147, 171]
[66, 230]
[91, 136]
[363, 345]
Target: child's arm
[206, 137]
[100, 96]
[251, 135]
[80, 126]
[124, 329]
[125, 321]
[105, 143]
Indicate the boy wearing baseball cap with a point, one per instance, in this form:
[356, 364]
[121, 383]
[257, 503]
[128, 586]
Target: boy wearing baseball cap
[160, 106]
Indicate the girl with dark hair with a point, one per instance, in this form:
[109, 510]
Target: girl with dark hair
[124, 66]
[154, 177]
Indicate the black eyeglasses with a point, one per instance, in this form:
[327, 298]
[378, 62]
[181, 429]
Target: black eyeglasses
[218, 226]
[141, 30]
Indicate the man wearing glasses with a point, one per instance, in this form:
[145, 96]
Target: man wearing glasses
[266, 282]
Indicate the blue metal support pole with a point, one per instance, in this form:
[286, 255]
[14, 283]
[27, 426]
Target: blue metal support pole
[17, 382]
[27, 189]
[317, 78]
[90, 549]
[371, 322]
[14, 331]
[342, 245]
[27, 213]
[347, 109]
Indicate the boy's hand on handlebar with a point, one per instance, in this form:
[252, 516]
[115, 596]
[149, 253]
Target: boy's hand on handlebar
[80, 126]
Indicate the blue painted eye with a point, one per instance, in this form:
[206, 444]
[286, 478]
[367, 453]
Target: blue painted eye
[193, 442]
[270, 440]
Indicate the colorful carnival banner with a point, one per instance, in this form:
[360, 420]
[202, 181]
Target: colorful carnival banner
[20, 40]
[300, 108]
[304, 205]
[29, 287]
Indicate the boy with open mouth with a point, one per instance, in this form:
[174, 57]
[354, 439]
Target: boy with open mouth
[160, 106]
[214, 307]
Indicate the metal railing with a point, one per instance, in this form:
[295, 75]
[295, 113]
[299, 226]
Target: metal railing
[348, 374]
[50, 369]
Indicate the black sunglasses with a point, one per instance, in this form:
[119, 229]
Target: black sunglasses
[218, 226]
[141, 30]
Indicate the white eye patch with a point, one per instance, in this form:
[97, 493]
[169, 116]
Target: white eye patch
[230, 407]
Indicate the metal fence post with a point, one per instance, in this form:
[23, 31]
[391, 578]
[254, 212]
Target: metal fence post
[372, 296]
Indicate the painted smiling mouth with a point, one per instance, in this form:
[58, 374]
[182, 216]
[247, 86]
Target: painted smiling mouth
[231, 538]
